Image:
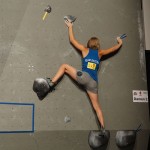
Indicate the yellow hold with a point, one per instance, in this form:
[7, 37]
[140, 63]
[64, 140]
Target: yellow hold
[45, 15]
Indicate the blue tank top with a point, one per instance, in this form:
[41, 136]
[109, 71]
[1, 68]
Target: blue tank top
[90, 63]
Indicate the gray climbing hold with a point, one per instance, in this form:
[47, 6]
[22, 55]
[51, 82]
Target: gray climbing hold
[70, 18]
[67, 119]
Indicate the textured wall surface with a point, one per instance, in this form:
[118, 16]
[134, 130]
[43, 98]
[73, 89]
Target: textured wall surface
[31, 48]
[146, 12]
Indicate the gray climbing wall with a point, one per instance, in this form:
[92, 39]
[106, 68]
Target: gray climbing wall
[146, 12]
[31, 48]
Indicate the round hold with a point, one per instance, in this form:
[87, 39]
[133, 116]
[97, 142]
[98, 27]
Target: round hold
[79, 73]
[97, 139]
[48, 9]
[125, 138]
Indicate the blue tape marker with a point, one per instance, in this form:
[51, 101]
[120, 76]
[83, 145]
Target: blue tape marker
[33, 118]
[9, 103]
[123, 36]
[21, 104]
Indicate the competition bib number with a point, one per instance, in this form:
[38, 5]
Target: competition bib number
[91, 65]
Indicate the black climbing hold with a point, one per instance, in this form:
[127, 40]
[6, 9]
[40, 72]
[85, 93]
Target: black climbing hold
[79, 73]
[125, 138]
[42, 87]
[97, 139]
[48, 9]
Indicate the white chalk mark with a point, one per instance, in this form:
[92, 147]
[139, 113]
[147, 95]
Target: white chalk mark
[69, 52]
[105, 66]
[80, 29]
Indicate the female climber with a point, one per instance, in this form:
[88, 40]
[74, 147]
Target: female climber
[91, 56]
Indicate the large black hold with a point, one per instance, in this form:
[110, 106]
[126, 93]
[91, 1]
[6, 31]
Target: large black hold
[41, 87]
[125, 138]
[97, 139]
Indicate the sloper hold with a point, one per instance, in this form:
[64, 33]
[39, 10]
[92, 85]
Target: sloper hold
[97, 139]
[125, 138]
[70, 18]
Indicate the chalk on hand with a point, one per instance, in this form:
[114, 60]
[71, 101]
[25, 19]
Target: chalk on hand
[47, 10]
[70, 18]
[123, 36]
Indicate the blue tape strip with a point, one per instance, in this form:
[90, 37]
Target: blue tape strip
[5, 132]
[21, 104]
[33, 109]
[11, 103]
